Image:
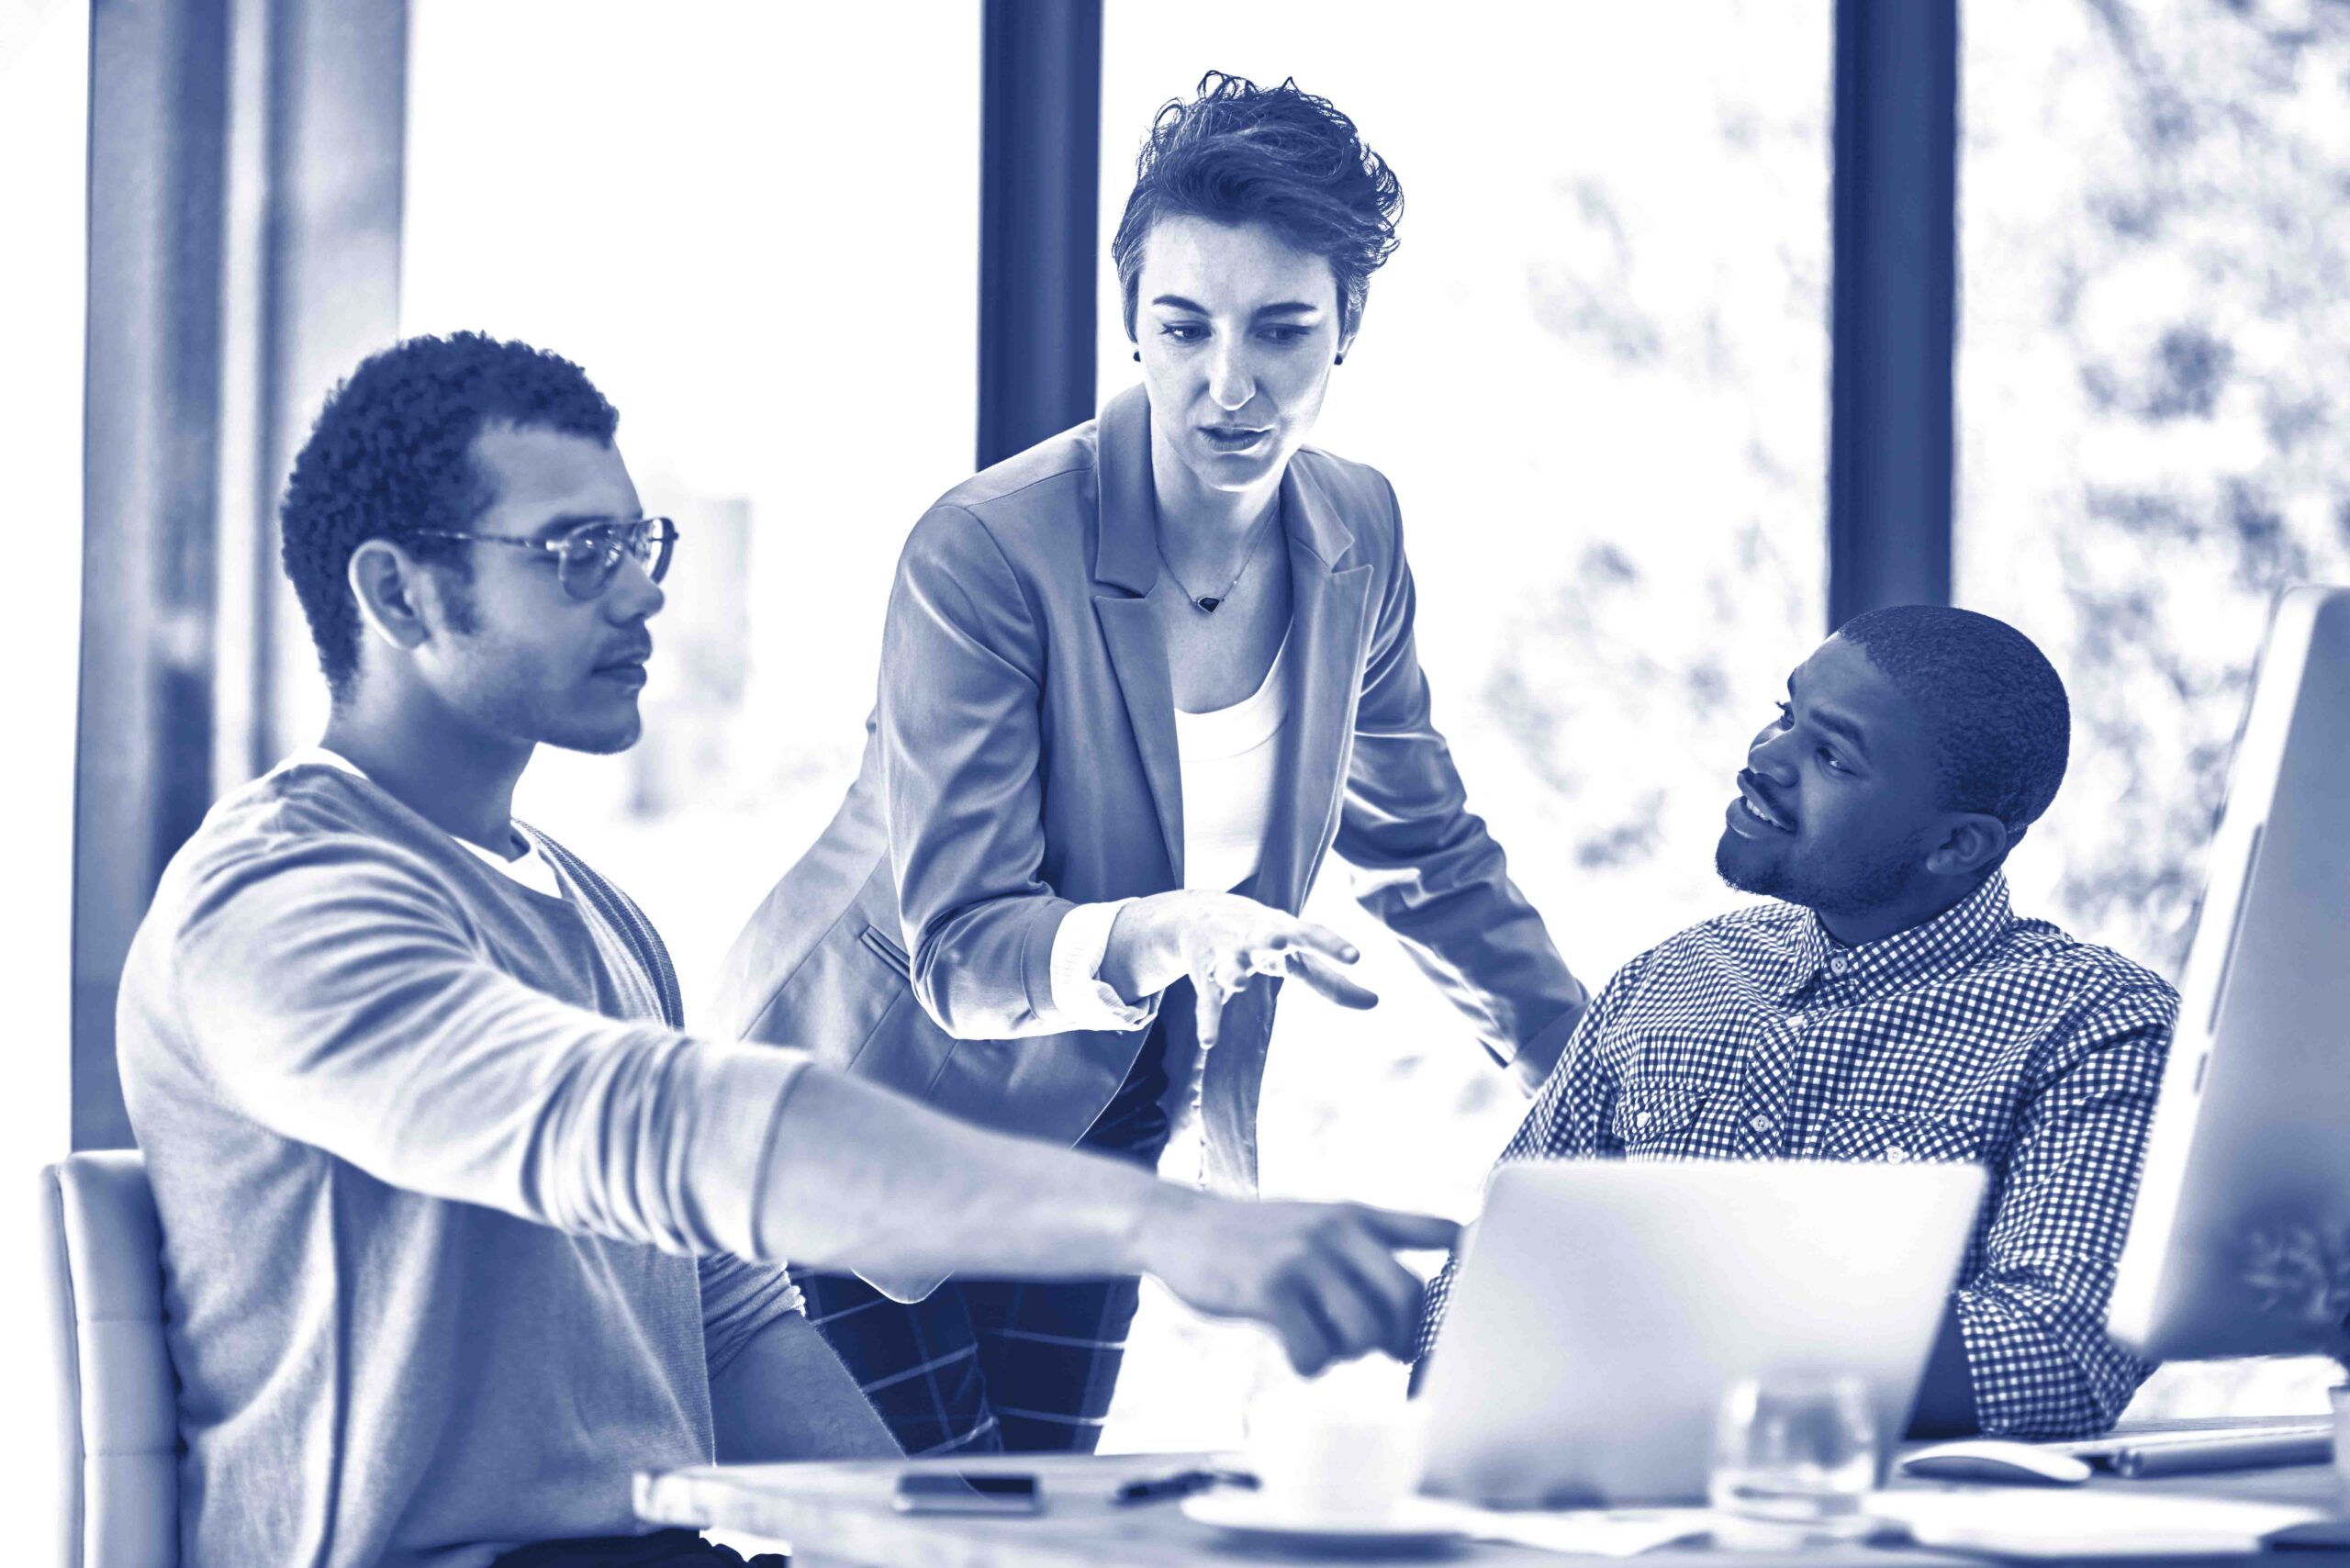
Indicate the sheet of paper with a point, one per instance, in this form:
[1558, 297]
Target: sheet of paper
[2020, 1522]
[1594, 1532]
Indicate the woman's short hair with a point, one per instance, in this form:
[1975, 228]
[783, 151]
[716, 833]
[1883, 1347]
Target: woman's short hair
[1241, 153]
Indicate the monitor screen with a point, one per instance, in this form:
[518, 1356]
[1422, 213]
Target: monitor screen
[2240, 1240]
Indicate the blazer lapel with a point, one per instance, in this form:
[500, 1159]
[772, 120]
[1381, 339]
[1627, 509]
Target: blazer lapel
[1139, 655]
[1327, 603]
[1126, 556]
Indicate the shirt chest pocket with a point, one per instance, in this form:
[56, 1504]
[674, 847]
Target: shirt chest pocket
[1901, 1139]
[1654, 1116]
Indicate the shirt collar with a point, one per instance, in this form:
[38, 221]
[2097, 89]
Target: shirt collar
[528, 867]
[1949, 942]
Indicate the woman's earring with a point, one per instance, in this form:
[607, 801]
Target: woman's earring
[1340, 360]
[1137, 356]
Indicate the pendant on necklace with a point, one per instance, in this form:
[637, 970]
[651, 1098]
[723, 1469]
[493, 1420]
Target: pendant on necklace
[1207, 603]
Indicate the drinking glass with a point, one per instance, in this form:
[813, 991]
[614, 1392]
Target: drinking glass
[1794, 1453]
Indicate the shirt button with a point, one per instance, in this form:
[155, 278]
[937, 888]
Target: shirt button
[1761, 1124]
[1644, 1118]
[1837, 966]
[1895, 1154]
[1795, 1020]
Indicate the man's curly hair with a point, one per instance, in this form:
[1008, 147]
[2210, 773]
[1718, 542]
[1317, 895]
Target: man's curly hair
[1241, 153]
[1995, 706]
[391, 454]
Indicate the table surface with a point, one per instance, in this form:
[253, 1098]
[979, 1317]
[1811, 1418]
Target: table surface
[841, 1515]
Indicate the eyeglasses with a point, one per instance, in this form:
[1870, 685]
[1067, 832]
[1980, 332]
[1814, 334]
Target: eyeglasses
[587, 557]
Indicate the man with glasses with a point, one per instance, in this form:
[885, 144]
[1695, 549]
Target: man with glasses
[460, 1228]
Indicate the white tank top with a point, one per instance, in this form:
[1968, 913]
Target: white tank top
[1229, 759]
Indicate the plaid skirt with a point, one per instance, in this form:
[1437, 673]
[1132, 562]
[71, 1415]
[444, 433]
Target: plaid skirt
[662, 1549]
[987, 1366]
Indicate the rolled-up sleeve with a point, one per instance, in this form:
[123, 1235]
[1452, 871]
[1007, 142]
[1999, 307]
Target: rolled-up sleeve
[960, 733]
[2032, 1314]
[739, 1299]
[1426, 866]
[1083, 997]
[342, 1002]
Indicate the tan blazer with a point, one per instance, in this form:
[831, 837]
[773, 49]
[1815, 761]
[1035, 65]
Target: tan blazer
[1022, 759]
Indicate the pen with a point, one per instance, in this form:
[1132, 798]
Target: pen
[1181, 1484]
[2244, 1452]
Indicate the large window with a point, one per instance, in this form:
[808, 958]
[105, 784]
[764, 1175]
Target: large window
[754, 225]
[1596, 374]
[2154, 348]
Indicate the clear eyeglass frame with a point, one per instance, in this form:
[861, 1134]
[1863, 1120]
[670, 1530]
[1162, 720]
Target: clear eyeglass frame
[587, 557]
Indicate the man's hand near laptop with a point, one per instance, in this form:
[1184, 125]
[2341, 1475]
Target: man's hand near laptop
[1322, 1276]
[839, 1192]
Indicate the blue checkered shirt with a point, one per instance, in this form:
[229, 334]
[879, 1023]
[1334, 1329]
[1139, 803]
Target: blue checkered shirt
[1975, 1036]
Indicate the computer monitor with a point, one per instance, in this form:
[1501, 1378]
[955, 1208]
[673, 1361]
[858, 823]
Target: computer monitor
[2246, 1188]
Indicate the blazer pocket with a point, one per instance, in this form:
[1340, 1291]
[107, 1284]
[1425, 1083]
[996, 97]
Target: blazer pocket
[839, 997]
[1900, 1139]
[880, 944]
[1648, 1115]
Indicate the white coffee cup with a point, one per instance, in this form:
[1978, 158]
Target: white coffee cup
[1343, 1450]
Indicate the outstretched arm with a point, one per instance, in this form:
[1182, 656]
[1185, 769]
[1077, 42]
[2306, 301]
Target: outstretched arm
[341, 1000]
[861, 1177]
[1426, 866]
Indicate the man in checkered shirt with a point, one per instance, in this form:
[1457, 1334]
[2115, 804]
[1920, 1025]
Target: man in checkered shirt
[1888, 1006]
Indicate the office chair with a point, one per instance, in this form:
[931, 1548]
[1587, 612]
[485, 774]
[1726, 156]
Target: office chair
[117, 1395]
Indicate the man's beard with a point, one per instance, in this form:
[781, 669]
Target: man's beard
[1845, 889]
[517, 694]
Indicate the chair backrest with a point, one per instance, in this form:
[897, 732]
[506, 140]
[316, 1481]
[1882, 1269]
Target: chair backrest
[104, 1256]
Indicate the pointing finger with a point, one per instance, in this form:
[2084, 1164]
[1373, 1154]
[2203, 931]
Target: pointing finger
[1410, 1231]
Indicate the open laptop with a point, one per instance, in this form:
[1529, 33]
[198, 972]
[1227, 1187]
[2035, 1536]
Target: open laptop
[2246, 1198]
[1604, 1307]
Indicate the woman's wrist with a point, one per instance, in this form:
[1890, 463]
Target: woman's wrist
[1143, 958]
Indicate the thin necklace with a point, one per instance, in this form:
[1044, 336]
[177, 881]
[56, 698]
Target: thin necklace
[1208, 603]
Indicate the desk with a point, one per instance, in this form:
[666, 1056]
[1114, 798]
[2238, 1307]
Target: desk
[839, 1515]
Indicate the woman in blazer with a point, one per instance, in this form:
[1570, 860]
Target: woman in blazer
[1136, 682]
